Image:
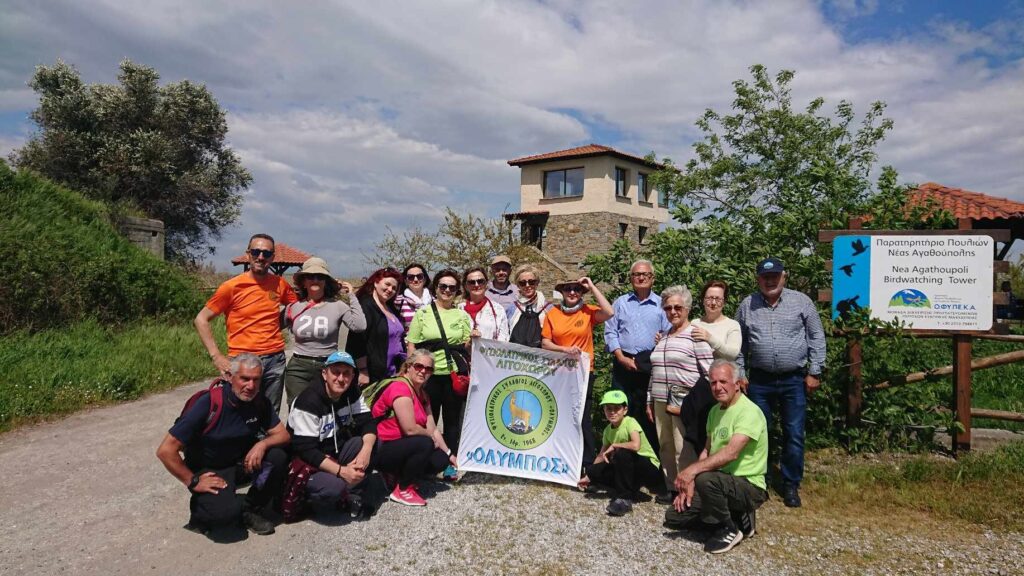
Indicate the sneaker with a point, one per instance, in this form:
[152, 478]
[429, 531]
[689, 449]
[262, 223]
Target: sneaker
[257, 523]
[450, 474]
[619, 507]
[747, 523]
[791, 496]
[723, 540]
[407, 497]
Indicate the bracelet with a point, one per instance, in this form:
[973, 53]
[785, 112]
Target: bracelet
[339, 471]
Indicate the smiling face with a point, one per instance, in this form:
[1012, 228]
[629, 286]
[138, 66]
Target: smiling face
[385, 289]
[677, 312]
[476, 285]
[641, 276]
[245, 383]
[447, 289]
[714, 300]
[337, 378]
[261, 256]
[771, 284]
[724, 386]
[500, 272]
[571, 294]
[415, 278]
[527, 283]
[614, 413]
[420, 370]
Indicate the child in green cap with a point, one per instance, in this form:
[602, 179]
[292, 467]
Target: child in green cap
[626, 461]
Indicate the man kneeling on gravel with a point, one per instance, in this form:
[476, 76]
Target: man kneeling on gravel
[722, 490]
[229, 434]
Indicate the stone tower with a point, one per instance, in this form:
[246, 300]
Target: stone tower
[579, 201]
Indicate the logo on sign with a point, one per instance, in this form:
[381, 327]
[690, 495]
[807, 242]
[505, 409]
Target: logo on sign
[910, 298]
[521, 412]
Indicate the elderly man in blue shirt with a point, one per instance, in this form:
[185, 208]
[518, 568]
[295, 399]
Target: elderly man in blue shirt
[783, 354]
[630, 337]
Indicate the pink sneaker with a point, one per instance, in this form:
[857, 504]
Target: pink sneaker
[408, 496]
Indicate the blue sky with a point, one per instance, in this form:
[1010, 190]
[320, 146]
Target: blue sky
[354, 116]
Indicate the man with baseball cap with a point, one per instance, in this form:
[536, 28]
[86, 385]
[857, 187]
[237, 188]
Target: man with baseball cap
[783, 354]
[499, 289]
[333, 432]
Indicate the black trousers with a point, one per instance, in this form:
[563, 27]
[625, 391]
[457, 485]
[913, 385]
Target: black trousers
[717, 498]
[635, 384]
[589, 443]
[626, 473]
[410, 458]
[224, 508]
[444, 401]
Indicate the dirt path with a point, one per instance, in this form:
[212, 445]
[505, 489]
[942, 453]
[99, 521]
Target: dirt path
[86, 495]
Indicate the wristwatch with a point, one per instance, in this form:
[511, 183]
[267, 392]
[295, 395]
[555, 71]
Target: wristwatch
[193, 483]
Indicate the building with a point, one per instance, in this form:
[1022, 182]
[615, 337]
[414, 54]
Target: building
[579, 201]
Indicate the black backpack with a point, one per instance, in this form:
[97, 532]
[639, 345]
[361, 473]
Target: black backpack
[527, 330]
[193, 452]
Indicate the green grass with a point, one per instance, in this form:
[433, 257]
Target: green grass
[59, 371]
[979, 488]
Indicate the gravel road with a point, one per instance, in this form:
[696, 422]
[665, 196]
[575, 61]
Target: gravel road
[86, 495]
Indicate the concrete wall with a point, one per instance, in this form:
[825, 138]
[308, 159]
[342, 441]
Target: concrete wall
[145, 233]
[598, 189]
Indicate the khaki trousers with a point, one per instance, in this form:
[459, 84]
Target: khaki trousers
[675, 454]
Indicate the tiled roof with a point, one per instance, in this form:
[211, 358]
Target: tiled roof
[283, 254]
[518, 215]
[580, 152]
[966, 204]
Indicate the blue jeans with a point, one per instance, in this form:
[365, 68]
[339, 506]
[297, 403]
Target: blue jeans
[788, 390]
[271, 383]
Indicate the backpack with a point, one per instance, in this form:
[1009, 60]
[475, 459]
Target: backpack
[373, 392]
[193, 455]
[527, 330]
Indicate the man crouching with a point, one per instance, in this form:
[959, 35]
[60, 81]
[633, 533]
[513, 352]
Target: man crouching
[725, 487]
[228, 435]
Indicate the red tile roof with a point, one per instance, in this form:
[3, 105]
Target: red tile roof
[283, 254]
[966, 204]
[580, 152]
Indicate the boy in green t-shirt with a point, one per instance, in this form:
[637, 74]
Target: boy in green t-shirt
[626, 461]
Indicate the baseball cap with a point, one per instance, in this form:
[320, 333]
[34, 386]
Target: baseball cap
[340, 357]
[614, 397]
[501, 259]
[769, 265]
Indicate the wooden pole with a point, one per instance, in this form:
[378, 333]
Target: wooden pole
[962, 378]
[978, 364]
[997, 414]
[855, 388]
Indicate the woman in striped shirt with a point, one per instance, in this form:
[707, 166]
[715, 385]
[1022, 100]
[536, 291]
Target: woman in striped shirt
[674, 371]
[416, 294]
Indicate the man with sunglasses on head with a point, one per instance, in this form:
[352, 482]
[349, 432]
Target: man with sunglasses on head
[251, 304]
[630, 337]
[500, 290]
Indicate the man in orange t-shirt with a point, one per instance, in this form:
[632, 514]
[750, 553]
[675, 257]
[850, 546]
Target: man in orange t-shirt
[251, 303]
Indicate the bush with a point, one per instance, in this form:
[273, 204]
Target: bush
[64, 262]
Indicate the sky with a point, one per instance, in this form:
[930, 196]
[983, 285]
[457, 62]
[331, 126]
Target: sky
[357, 116]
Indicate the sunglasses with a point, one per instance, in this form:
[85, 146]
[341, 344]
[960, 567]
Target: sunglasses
[527, 282]
[501, 267]
[422, 367]
[414, 277]
[477, 282]
[447, 287]
[256, 253]
[673, 308]
[573, 288]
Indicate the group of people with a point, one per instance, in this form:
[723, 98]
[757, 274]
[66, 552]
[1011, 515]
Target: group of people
[688, 411]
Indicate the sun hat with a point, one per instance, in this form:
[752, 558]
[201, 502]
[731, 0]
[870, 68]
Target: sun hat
[312, 266]
[614, 397]
[570, 281]
[340, 357]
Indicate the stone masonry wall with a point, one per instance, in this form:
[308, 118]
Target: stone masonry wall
[570, 239]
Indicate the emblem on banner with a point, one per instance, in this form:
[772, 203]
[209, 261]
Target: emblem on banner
[521, 412]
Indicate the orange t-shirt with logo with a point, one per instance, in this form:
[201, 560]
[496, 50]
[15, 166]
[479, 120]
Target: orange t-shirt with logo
[251, 311]
[576, 329]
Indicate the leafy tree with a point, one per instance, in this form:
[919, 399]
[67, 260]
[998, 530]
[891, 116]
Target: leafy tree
[139, 147]
[460, 242]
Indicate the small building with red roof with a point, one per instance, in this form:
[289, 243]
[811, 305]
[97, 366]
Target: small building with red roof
[285, 257]
[981, 210]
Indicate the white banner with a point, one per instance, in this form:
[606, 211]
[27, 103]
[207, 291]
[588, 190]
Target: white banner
[523, 413]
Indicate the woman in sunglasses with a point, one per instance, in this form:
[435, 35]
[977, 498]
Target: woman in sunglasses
[674, 372]
[442, 316]
[411, 446]
[314, 321]
[416, 294]
[487, 316]
[380, 349]
[526, 314]
[569, 328]
[714, 327]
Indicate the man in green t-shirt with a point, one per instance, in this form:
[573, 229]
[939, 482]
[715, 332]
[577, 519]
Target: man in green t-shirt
[626, 460]
[725, 487]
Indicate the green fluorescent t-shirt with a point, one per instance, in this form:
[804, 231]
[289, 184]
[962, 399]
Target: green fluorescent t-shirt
[743, 417]
[621, 435]
[424, 327]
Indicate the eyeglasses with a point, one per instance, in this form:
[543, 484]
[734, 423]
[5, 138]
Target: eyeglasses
[422, 367]
[256, 253]
[573, 288]
[641, 275]
[713, 299]
[447, 287]
[414, 277]
[524, 283]
[477, 282]
[673, 308]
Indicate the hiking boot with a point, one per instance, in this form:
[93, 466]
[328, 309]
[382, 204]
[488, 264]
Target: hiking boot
[256, 523]
[791, 496]
[450, 474]
[619, 507]
[747, 522]
[666, 498]
[407, 496]
[723, 540]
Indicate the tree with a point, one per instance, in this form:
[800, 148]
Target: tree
[139, 147]
[460, 242]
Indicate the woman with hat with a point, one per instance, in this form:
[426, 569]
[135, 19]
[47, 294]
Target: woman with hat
[569, 328]
[314, 321]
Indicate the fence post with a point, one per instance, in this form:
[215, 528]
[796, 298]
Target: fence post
[962, 391]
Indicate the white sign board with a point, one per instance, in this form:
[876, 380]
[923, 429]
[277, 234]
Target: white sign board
[523, 413]
[928, 282]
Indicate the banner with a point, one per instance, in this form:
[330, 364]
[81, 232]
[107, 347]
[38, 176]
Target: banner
[523, 413]
[929, 282]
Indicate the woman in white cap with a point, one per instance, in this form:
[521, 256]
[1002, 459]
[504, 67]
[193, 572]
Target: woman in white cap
[314, 321]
